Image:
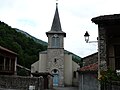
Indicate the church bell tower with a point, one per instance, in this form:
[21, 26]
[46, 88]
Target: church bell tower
[55, 50]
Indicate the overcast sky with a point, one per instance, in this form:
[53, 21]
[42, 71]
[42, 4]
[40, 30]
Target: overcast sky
[35, 17]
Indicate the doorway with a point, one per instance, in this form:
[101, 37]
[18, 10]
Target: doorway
[55, 74]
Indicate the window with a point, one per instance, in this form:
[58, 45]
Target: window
[55, 60]
[74, 74]
[55, 41]
[55, 71]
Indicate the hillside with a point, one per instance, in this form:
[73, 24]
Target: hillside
[27, 46]
[35, 39]
[75, 58]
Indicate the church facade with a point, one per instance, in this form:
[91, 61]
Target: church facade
[54, 60]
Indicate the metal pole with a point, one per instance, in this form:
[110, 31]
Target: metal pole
[99, 85]
[82, 81]
[98, 41]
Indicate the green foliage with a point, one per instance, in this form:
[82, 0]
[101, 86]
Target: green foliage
[27, 48]
[108, 76]
[22, 72]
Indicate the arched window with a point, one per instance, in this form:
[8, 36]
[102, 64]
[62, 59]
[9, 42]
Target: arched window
[55, 71]
[55, 41]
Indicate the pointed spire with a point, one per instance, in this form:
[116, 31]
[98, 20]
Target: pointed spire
[56, 25]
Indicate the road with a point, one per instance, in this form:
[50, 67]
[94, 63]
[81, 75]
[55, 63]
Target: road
[54, 88]
[65, 88]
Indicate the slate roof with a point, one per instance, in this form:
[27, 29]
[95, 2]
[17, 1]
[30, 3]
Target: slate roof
[43, 52]
[90, 55]
[56, 25]
[106, 18]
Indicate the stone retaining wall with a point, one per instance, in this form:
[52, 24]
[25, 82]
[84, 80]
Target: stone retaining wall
[21, 83]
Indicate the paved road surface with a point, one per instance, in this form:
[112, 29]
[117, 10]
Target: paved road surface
[55, 88]
[65, 88]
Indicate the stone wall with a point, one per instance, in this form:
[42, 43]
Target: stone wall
[102, 47]
[55, 60]
[91, 59]
[20, 83]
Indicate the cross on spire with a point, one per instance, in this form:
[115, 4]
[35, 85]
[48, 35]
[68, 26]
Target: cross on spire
[56, 2]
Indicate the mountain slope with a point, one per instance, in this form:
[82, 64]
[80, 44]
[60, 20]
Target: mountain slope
[35, 39]
[27, 46]
[75, 58]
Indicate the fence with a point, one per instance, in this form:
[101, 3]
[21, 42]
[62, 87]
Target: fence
[113, 85]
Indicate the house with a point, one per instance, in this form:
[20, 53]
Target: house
[9, 80]
[8, 61]
[109, 48]
[55, 61]
[109, 40]
[88, 73]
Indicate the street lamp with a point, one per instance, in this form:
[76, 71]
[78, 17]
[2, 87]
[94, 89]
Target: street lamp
[87, 41]
[86, 36]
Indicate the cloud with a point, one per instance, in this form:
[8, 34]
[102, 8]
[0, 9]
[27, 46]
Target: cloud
[36, 16]
[28, 22]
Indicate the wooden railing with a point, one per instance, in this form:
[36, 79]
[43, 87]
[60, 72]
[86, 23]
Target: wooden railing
[6, 70]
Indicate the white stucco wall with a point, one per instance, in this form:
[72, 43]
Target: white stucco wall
[40, 65]
[42, 62]
[34, 67]
[75, 66]
[68, 70]
[69, 67]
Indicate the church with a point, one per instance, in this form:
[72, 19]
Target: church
[54, 60]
